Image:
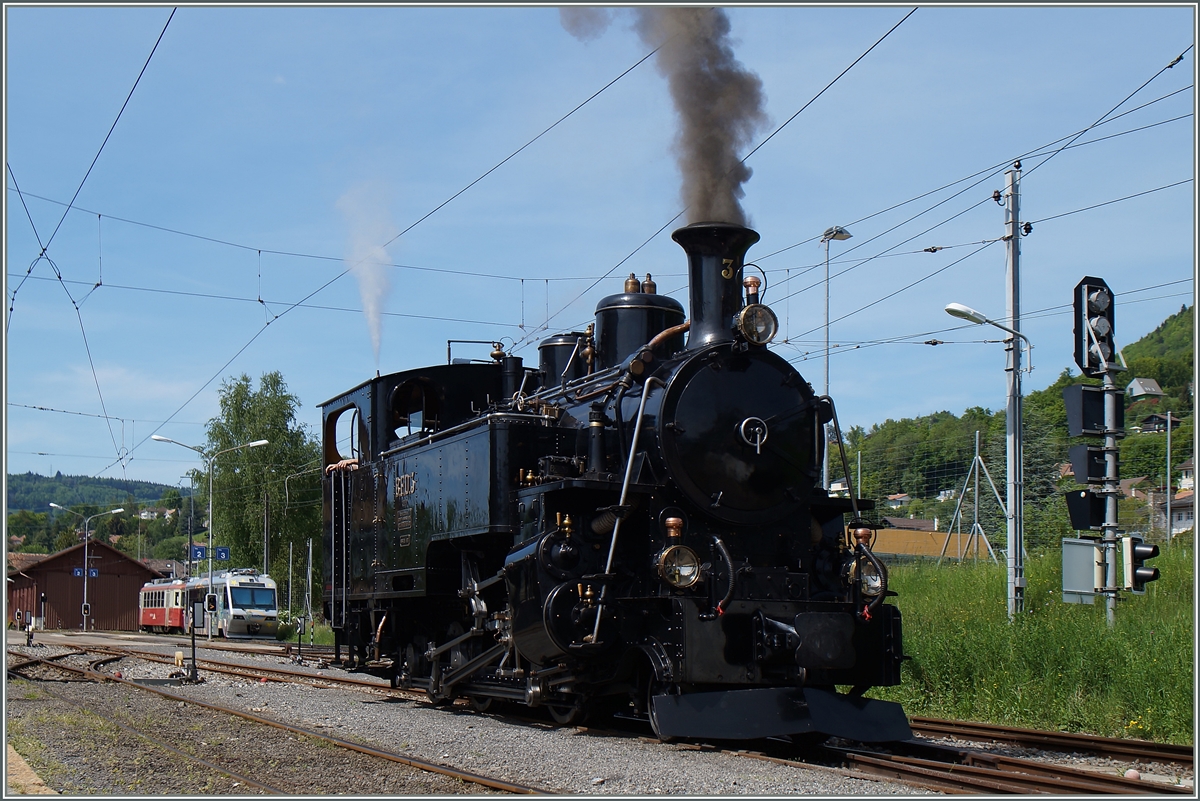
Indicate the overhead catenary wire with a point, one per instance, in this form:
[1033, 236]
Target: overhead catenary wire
[741, 161]
[393, 239]
[1150, 80]
[508, 276]
[611, 270]
[78, 189]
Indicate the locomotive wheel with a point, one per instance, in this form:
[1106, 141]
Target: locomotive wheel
[481, 703]
[566, 715]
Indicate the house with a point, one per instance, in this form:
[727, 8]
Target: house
[1129, 488]
[1187, 475]
[909, 523]
[172, 568]
[839, 487]
[52, 587]
[1157, 423]
[947, 495]
[154, 513]
[1183, 513]
[898, 500]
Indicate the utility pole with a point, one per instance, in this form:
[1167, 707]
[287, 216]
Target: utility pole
[1013, 417]
[266, 524]
[1170, 492]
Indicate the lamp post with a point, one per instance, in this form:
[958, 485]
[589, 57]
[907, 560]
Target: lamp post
[1015, 461]
[86, 521]
[211, 460]
[839, 233]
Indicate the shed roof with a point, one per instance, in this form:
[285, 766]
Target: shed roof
[67, 559]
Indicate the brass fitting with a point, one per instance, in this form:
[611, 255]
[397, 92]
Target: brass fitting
[752, 283]
[674, 527]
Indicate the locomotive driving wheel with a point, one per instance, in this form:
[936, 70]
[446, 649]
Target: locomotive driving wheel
[567, 714]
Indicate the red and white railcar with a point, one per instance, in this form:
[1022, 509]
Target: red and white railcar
[162, 606]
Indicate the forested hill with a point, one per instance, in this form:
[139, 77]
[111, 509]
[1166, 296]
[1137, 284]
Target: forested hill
[1171, 340]
[927, 459]
[34, 492]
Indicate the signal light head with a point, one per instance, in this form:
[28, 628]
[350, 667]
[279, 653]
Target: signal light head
[1134, 553]
[1099, 300]
[1093, 308]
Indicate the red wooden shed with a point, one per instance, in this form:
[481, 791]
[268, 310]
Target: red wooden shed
[112, 589]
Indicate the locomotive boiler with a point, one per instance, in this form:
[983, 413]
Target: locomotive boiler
[635, 526]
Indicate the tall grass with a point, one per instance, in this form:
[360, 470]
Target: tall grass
[1057, 666]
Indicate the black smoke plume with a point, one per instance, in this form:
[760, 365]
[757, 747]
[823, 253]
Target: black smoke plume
[719, 102]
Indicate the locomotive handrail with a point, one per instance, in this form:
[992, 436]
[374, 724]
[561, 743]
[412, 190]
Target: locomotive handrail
[842, 450]
[612, 544]
[478, 421]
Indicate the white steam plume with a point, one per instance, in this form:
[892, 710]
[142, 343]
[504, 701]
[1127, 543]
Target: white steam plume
[365, 209]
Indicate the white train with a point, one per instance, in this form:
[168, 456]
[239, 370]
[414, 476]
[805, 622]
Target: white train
[246, 603]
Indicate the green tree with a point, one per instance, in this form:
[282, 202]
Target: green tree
[281, 473]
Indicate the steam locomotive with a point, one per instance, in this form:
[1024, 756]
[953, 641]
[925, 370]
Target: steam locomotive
[636, 526]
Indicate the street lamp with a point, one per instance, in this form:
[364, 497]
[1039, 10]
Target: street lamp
[1015, 461]
[210, 459]
[86, 520]
[839, 233]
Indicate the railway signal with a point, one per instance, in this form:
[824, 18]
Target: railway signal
[1094, 345]
[1135, 552]
[210, 602]
[1097, 412]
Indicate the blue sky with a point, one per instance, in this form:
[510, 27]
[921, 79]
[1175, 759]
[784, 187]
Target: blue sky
[263, 146]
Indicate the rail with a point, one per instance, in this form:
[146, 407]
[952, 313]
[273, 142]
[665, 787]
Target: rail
[419, 764]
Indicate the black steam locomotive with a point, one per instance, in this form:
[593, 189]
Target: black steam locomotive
[635, 526]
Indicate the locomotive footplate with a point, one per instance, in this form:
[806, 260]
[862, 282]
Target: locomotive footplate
[775, 711]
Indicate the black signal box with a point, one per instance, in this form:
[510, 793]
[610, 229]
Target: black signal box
[1086, 510]
[1088, 464]
[1085, 411]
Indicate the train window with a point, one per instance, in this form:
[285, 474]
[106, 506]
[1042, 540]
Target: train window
[253, 598]
[346, 436]
[414, 406]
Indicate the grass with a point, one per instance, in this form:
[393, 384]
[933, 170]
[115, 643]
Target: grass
[1057, 666]
[321, 635]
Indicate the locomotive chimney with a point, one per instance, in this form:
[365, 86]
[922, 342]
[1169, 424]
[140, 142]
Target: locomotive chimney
[715, 252]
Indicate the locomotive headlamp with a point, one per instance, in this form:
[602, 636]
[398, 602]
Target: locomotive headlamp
[871, 583]
[757, 323]
[679, 566]
[870, 580]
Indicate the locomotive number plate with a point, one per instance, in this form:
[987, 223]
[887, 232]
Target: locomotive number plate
[404, 520]
[404, 540]
[406, 484]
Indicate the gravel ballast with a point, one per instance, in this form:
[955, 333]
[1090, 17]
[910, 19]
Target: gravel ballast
[570, 760]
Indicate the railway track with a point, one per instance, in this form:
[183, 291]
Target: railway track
[90, 673]
[158, 742]
[917, 762]
[1065, 742]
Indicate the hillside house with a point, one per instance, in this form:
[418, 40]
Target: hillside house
[1187, 475]
[1157, 424]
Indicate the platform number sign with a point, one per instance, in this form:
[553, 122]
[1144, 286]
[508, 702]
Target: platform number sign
[93, 572]
[77, 572]
[222, 553]
[199, 552]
